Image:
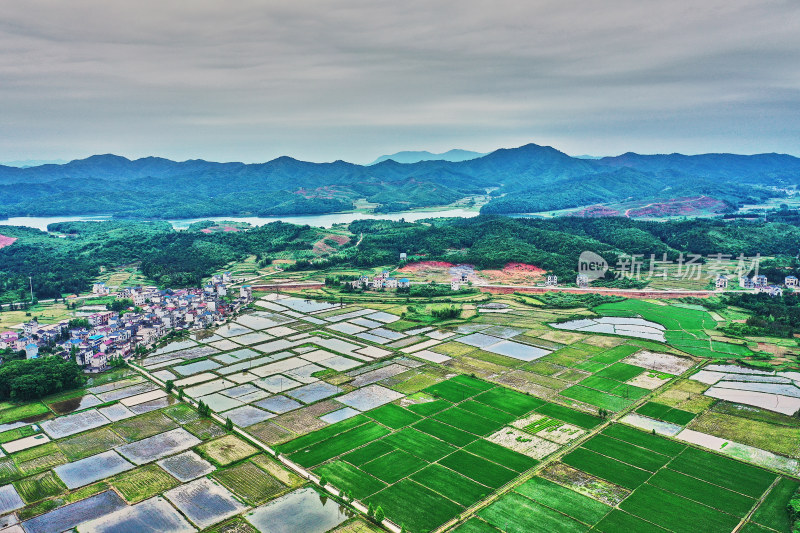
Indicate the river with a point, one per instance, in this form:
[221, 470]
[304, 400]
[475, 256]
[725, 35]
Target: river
[323, 221]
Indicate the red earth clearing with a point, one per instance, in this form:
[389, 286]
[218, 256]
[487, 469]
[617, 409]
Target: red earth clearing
[6, 241]
[514, 273]
[424, 265]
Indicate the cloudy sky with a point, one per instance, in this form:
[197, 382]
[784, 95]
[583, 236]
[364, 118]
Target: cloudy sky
[354, 79]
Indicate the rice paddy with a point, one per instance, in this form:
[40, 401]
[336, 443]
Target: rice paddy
[426, 423]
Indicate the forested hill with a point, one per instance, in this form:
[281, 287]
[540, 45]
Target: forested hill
[525, 179]
[60, 266]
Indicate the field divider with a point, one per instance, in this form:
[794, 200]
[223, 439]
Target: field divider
[299, 470]
[526, 476]
[755, 507]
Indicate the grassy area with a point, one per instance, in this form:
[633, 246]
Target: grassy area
[45, 312]
[781, 439]
[143, 426]
[12, 413]
[685, 327]
[226, 450]
[250, 482]
[143, 482]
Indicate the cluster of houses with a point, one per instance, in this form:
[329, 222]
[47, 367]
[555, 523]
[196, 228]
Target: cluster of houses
[759, 283]
[381, 281]
[111, 334]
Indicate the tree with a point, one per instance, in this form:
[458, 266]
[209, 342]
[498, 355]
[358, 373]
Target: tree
[370, 510]
[322, 481]
[34, 378]
[379, 515]
[170, 385]
[229, 424]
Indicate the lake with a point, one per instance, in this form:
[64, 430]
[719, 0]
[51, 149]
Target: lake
[323, 221]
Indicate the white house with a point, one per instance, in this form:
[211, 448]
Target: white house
[246, 292]
[722, 282]
[746, 283]
[29, 327]
[100, 289]
[760, 280]
[582, 280]
[772, 290]
[403, 256]
[790, 281]
[551, 281]
[455, 285]
[390, 283]
[403, 283]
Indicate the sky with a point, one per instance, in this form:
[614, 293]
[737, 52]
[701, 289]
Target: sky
[355, 79]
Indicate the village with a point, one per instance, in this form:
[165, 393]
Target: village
[110, 335]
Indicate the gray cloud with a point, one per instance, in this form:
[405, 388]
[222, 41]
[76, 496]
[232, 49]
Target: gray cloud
[353, 79]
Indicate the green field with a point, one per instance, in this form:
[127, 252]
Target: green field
[570, 416]
[454, 486]
[604, 467]
[676, 512]
[676, 487]
[564, 500]
[250, 482]
[427, 511]
[393, 416]
[143, 482]
[394, 466]
[35, 488]
[461, 418]
[90, 443]
[499, 454]
[646, 440]
[703, 492]
[143, 426]
[684, 327]
[620, 372]
[617, 521]
[772, 512]
[510, 401]
[420, 444]
[727, 473]
[349, 478]
[479, 469]
[666, 413]
[627, 453]
[322, 434]
[514, 513]
[596, 398]
[341, 443]
[429, 408]
[226, 450]
[445, 432]
[485, 411]
[368, 452]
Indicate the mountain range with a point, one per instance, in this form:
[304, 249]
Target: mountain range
[416, 157]
[526, 179]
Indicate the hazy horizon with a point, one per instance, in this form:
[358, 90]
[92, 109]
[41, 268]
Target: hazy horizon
[260, 80]
[367, 162]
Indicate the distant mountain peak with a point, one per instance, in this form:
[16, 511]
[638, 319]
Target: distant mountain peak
[406, 157]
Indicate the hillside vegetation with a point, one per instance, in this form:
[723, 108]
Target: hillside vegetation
[530, 178]
[68, 265]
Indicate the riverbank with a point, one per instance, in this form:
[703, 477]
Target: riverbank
[323, 221]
